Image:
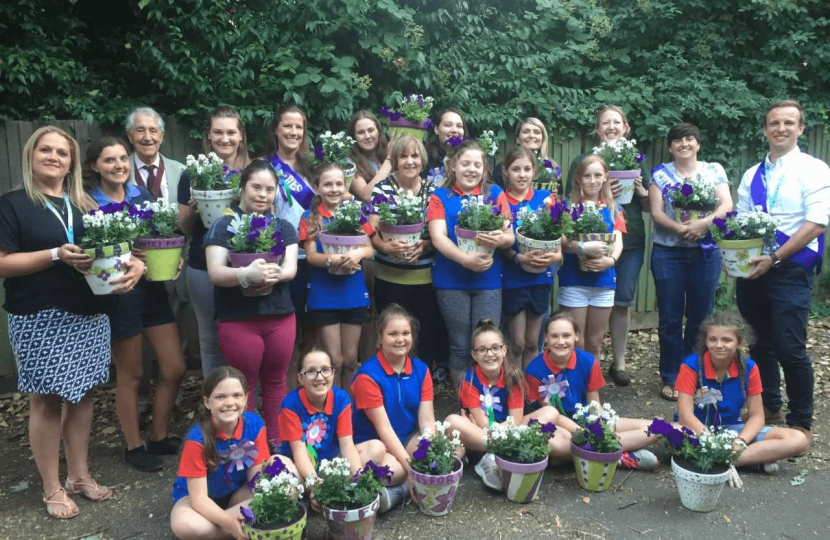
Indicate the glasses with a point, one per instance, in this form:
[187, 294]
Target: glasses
[312, 374]
[494, 350]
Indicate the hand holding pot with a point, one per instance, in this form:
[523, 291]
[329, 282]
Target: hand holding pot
[125, 283]
[258, 274]
[616, 187]
[398, 248]
[591, 250]
[415, 251]
[139, 254]
[639, 189]
[74, 256]
[478, 262]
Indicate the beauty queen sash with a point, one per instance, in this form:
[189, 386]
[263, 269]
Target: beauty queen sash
[299, 188]
[805, 257]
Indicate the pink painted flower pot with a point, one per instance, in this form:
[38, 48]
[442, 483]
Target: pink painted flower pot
[338, 244]
[436, 492]
[521, 481]
[241, 260]
[357, 524]
[408, 233]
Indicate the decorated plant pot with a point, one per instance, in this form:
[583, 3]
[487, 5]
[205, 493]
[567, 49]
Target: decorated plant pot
[291, 531]
[626, 180]
[349, 170]
[698, 491]
[338, 244]
[402, 126]
[162, 256]
[212, 203]
[436, 492]
[736, 255]
[357, 524]
[241, 260]
[521, 481]
[108, 263]
[595, 470]
[466, 240]
[608, 238]
[528, 244]
[688, 214]
[408, 233]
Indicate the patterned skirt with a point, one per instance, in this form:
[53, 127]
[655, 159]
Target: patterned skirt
[60, 353]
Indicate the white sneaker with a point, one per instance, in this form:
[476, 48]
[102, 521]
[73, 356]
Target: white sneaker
[489, 472]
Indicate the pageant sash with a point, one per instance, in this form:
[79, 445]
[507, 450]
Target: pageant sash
[299, 188]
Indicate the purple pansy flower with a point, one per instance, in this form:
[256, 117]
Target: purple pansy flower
[427, 124]
[252, 481]
[384, 110]
[720, 223]
[557, 172]
[319, 153]
[420, 453]
[247, 514]
[596, 430]
[381, 473]
[258, 222]
[279, 246]
[253, 235]
[548, 164]
[640, 157]
[686, 190]
[455, 142]
[589, 447]
[549, 428]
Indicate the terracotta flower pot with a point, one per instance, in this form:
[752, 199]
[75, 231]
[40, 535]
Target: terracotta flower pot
[357, 524]
[595, 470]
[162, 256]
[521, 481]
[108, 263]
[436, 492]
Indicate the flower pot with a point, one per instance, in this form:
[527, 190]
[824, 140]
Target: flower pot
[241, 260]
[608, 238]
[626, 180]
[357, 524]
[698, 491]
[108, 263]
[436, 491]
[408, 233]
[521, 481]
[349, 170]
[528, 244]
[595, 470]
[688, 214]
[736, 255]
[402, 126]
[338, 244]
[212, 203]
[466, 240]
[291, 531]
[162, 256]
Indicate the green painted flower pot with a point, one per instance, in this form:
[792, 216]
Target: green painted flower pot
[292, 531]
[402, 126]
[595, 470]
[162, 256]
[108, 263]
[736, 255]
[521, 481]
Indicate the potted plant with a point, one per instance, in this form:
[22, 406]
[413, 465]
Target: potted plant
[109, 232]
[693, 199]
[435, 470]
[701, 464]
[335, 148]
[588, 226]
[212, 185]
[344, 231]
[477, 214]
[350, 503]
[409, 115]
[487, 142]
[623, 160]
[741, 237]
[542, 229]
[547, 175]
[521, 454]
[274, 512]
[595, 446]
[401, 218]
[257, 236]
[159, 240]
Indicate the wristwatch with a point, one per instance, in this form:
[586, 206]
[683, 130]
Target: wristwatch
[328, 262]
[775, 260]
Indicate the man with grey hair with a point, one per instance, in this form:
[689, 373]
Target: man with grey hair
[160, 175]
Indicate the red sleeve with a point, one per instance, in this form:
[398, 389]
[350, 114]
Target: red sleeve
[291, 428]
[503, 204]
[596, 380]
[515, 400]
[263, 452]
[426, 388]
[435, 209]
[367, 394]
[192, 462]
[533, 385]
[344, 422]
[754, 387]
[686, 381]
[368, 229]
[469, 395]
[619, 223]
[302, 231]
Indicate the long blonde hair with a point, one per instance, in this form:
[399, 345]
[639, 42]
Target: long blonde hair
[605, 194]
[73, 183]
[543, 149]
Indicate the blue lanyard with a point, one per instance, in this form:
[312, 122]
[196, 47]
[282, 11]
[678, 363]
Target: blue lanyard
[764, 178]
[70, 228]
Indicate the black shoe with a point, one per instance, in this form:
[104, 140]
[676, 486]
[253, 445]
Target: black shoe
[139, 459]
[619, 376]
[168, 446]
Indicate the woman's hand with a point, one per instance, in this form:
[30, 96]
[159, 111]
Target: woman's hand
[478, 262]
[598, 264]
[398, 248]
[639, 190]
[139, 254]
[352, 259]
[616, 187]
[125, 283]
[591, 250]
[74, 256]
[695, 229]
[414, 252]
[259, 274]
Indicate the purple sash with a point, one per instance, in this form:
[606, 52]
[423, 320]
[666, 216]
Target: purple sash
[805, 257]
[299, 188]
[707, 243]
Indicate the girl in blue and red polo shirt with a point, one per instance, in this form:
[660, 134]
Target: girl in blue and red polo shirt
[719, 387]
[338, 300]
[564, 376]
[468, 285]
[221, 453]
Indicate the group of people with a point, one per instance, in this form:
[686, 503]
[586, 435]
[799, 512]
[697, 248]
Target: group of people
[297, 324]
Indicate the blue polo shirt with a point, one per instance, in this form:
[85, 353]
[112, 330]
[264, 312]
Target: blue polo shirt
[301, 421]
[475, 391]
[377, 385]
[571, 276]
[582, 372]
[513, 277]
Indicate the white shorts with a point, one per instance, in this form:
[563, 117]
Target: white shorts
[577, 296]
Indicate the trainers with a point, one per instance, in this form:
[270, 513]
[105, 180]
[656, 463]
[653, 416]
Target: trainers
[639, 459]
[489, 472]
[773, 417]
[140, 459]
[168, 446]
[439, 376]
[392, 496]
[767, 468]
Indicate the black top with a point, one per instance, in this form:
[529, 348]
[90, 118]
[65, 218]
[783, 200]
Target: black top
[28, 227]
[230, 302]
[196, 253]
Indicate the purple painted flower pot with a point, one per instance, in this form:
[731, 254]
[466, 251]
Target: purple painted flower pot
[402, 126]
[521, 481]
[626, 180]
[466, 240]
[436, 492]
[338, 244]
[357, 524]
[241, 260]
[595, 470]
[408, 233]
[162, 256]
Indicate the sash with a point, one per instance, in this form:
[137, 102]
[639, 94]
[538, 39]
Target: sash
[298, 187]
[805, 257]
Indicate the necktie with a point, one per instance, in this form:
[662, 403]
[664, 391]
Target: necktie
[153, 182]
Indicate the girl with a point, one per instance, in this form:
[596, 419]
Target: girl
[256, 332]
[590, 294]
[719, 387]
[450, 124]
[212, 484]
[564, 375]
[226, 136]
[338, 303]
[526, 294]
[530, 135]
[316, 421]
[143, 312]
[468, 285]
[490, 390]
[393, 396]
[369, 153]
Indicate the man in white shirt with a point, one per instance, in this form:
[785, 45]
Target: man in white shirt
[794, 188]
[148, 168]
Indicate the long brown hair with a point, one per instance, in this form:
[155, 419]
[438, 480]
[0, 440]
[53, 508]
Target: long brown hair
[516, 153]
[213, 379]
[395, 310]
[364, 166]
[315, 220]
[562, 315]
[92, 178]
[435, 150]
[272, 141]
[242, 159]
[605, 194]
[512, 376]
[469, 144]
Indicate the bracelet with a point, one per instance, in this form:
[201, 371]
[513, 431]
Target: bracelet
[613, 259]
[55, 257]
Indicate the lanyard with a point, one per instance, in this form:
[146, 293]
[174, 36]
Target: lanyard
[765, 179]
[70, 229]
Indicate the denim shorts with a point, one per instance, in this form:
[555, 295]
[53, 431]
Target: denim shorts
[577, 296]
[628, 274]
[146, 306]
[739, 427]
[536, 299]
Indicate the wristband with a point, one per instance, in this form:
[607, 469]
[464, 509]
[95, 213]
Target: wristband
[613, 259]
[243, 279]
[55, 257]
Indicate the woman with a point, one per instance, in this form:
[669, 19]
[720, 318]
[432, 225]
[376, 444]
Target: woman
[369, 153]
[450, 124]
[143, 312]
[40, 229]
[530, 135]
[686, 268]
[226, 137]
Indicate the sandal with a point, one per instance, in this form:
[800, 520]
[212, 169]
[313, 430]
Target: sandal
[65, 503]
[668, 393]
[91, 490]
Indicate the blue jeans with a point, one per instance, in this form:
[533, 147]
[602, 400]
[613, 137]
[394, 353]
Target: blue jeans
[686, 283]
[777, 305]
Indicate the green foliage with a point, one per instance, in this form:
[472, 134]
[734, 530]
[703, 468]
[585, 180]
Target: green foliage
[337, 489]
[157, 219]
[597, 428]
[548, 222]
[519, 443]
[435, 453]
[347, 219]
[725, 299]
[588, 219]
[480, 215]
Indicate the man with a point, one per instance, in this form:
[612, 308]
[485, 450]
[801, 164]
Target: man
[148, 168]
[794, 188]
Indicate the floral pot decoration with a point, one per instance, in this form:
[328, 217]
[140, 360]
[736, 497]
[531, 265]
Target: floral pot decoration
[344, 232]
[542, 229]
[159, 240]
[274, 513]
[741, 237]
[110, 231]
[435, 471]
[624, 163]
[212, 185]
[257, 237]
[595, 446]
[408, 115]
[589, 226]
[401, 218]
